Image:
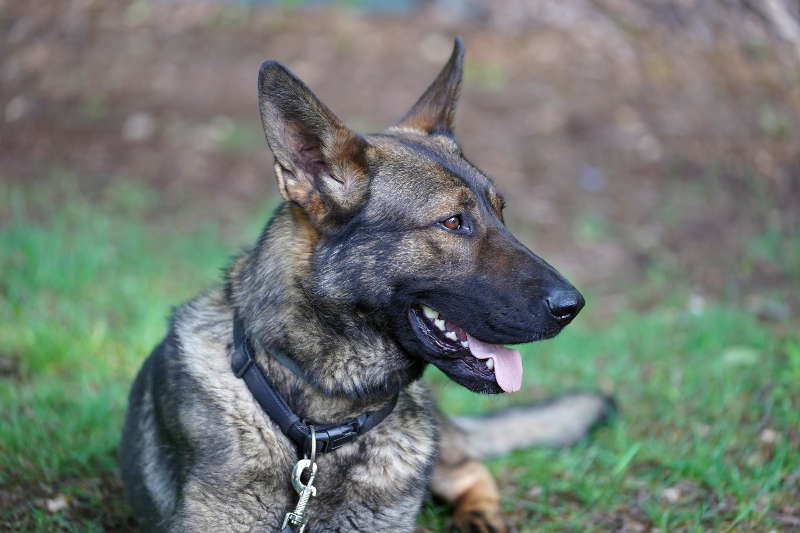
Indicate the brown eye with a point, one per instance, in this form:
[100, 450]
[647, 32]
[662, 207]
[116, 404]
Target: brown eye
[452, 223]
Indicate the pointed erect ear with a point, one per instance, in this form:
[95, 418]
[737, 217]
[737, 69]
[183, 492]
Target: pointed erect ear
[435, 110]
[320, 164]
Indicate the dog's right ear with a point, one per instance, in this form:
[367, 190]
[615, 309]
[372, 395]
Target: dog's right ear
[435, 110]
[320, 164]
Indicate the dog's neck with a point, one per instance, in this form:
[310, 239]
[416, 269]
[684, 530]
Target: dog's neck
[341, 354]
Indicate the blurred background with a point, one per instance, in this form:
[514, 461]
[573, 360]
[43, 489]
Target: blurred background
[648, 149]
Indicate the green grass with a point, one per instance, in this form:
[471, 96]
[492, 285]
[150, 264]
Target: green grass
[708, 438]
[702, 398]
[86, 292]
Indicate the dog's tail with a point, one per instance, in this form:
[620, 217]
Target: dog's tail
[560, 421]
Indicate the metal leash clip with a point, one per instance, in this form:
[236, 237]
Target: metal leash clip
[297, 518]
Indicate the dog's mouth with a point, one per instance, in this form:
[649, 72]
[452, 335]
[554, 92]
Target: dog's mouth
[478, 365]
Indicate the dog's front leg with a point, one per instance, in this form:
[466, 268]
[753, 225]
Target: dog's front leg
[468, 486]
[207, 507]
[465, 483]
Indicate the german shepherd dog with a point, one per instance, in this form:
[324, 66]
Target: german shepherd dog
[389, 253]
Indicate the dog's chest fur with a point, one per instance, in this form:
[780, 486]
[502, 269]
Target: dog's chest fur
[237, 473]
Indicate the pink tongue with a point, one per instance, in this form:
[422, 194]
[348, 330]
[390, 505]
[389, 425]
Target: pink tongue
[507, 362]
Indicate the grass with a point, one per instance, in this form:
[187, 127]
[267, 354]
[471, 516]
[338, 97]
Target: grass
[708, 438]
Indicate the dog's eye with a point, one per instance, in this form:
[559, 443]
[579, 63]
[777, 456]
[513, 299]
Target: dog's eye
[453, 223]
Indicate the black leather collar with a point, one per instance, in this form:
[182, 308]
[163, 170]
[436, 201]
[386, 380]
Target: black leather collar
[329, 437]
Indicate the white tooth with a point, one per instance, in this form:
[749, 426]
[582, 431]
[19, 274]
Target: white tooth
[429, 313]
[439, 324]
[465, 344]
[490, 363]
[451, 335]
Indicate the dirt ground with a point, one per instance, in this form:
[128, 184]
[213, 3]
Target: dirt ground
[627, 138]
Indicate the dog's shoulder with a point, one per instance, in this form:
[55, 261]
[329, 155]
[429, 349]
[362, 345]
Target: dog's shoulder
[200, 337]
[213, 402]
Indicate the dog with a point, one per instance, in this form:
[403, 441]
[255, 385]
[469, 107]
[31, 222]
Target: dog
[388, 254]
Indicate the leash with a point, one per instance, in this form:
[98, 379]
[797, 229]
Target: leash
[309, 438]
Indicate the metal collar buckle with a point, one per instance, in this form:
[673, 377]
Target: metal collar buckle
[297, 518]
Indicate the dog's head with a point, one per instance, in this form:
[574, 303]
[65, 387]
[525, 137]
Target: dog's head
[409, 236]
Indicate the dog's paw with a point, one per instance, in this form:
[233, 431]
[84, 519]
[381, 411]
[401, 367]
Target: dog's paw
[480, 521]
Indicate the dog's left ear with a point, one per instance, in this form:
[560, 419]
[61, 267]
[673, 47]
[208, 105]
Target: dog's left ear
[320, 163]
[435, 110]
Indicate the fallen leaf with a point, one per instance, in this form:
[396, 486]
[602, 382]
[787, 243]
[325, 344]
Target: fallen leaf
[57, 504]
[740, 356]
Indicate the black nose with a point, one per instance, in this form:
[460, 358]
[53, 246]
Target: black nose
[564, 305]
